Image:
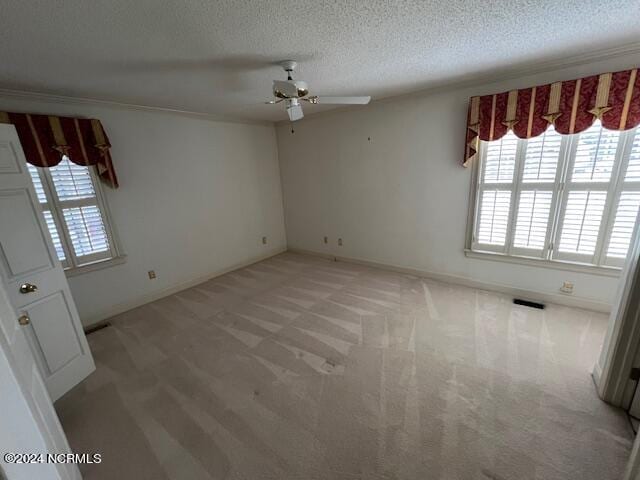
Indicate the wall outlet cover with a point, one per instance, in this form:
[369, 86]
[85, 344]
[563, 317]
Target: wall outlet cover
[264, 240]
[340, 242]
[567, 287]
[152, 274]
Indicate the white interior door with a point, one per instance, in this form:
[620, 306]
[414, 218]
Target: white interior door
[34, 279]
[28, 422]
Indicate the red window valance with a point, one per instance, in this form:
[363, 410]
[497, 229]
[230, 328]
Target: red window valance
[570, 107]
[45, 139]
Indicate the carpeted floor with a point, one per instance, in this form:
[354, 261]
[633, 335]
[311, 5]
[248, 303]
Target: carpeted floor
[301, 368]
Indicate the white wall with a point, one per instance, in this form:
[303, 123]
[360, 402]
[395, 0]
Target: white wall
[195, 198]
[401, 198]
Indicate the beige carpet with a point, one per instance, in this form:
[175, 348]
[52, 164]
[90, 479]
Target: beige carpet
[301, 368]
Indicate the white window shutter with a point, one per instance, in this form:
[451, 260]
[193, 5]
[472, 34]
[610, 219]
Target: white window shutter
[72, 211]
[86, 230]
[71, 181]
[569, 198]
[532, 219]
[55, 237]
[595, 154]
[633, 166]
[500, 160]
[541, 158]
[37, 183]
[624, 224]
[495, 206]
[581, 223]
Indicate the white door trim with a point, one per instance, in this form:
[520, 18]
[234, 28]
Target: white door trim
[620, 347]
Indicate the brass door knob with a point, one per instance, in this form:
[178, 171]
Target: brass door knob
[24, 319]
[28, 288]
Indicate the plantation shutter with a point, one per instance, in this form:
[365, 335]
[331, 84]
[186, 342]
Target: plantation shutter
[496, 191]
[581, 225]
[587, 194]
[536, 195]
[48, 216]
[626, 212]
[624, 223]
[82, 218]
[494, 217]
[568, 198]
[533, 217]
[77, 218]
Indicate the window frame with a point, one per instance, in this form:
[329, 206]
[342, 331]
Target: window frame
[599, 262]
[72, 264]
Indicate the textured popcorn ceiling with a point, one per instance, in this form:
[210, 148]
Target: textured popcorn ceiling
[216, 56]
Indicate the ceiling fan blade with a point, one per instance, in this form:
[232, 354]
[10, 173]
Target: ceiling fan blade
[295, 112]
[339, 100]
[273, 102]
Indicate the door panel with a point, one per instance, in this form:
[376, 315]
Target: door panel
[55, 337]
[27, 252]
[34, 425]
[53, 331]
[9, 160]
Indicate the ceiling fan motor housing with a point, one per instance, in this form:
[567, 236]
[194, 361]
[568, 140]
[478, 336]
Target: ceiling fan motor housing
[289, 65]
[290, 88]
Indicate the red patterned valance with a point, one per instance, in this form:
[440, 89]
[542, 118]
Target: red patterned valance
[570, 106]
[45, 139]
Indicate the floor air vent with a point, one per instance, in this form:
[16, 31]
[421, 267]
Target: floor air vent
[527, 303]
[96, 328]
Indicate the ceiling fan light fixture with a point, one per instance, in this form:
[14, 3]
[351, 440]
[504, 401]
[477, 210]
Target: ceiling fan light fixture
[294, 109]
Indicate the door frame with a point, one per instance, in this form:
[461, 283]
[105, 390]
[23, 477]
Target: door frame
[621, 347]
[622, 341]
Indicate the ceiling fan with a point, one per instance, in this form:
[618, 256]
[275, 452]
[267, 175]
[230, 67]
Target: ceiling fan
[292, 92]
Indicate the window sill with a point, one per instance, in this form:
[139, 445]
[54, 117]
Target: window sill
[92, 267]
[540, 263]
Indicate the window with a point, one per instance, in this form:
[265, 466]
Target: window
[564, 198]
[74, 210]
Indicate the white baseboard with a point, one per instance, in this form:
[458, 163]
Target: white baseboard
[544, 297]
[100, 317]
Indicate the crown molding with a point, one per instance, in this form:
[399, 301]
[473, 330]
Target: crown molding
[497, 75]
[535, 68]
[11, 94]
[470, 80]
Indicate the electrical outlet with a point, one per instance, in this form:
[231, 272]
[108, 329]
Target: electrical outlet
[152, 274]
[339, 242]
[326, 239]
[264, 240]
[567, 287]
